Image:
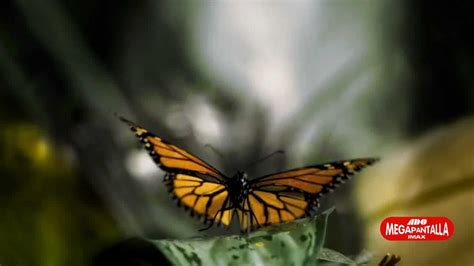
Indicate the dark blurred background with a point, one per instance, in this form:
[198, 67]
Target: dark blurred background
[321, 80]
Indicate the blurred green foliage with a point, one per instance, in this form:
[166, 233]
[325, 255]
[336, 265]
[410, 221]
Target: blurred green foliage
[44, 203]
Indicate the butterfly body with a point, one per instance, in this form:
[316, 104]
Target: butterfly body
[270, 199]
[239, 188]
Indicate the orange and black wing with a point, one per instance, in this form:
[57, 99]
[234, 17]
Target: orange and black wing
[196, 184]
[289, 195]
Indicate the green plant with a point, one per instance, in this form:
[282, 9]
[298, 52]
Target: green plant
[297, 243]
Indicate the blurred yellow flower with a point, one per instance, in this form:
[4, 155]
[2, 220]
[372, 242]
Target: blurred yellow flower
[430, 176]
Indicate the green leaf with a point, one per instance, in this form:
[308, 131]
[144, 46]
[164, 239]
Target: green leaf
[335, 256]
[296, 243]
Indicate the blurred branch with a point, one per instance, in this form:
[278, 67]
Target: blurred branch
[64, 43]
[326, 97]
[21, 87]
[100, 155]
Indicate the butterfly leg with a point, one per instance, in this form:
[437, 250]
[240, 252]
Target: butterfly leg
[249, 223]
[211, 223]
[207, 227]
[221, 211]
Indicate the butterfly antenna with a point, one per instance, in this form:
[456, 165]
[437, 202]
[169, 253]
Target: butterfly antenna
[264, 158]
[224, 159]
[216, 151]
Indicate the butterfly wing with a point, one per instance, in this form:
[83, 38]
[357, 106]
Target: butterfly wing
[289, 195]
[196, 184]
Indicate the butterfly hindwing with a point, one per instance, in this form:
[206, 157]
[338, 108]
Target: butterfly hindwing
[272, 207]
[204, 198]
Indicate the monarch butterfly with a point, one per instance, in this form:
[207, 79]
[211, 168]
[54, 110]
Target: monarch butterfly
[270, 199]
